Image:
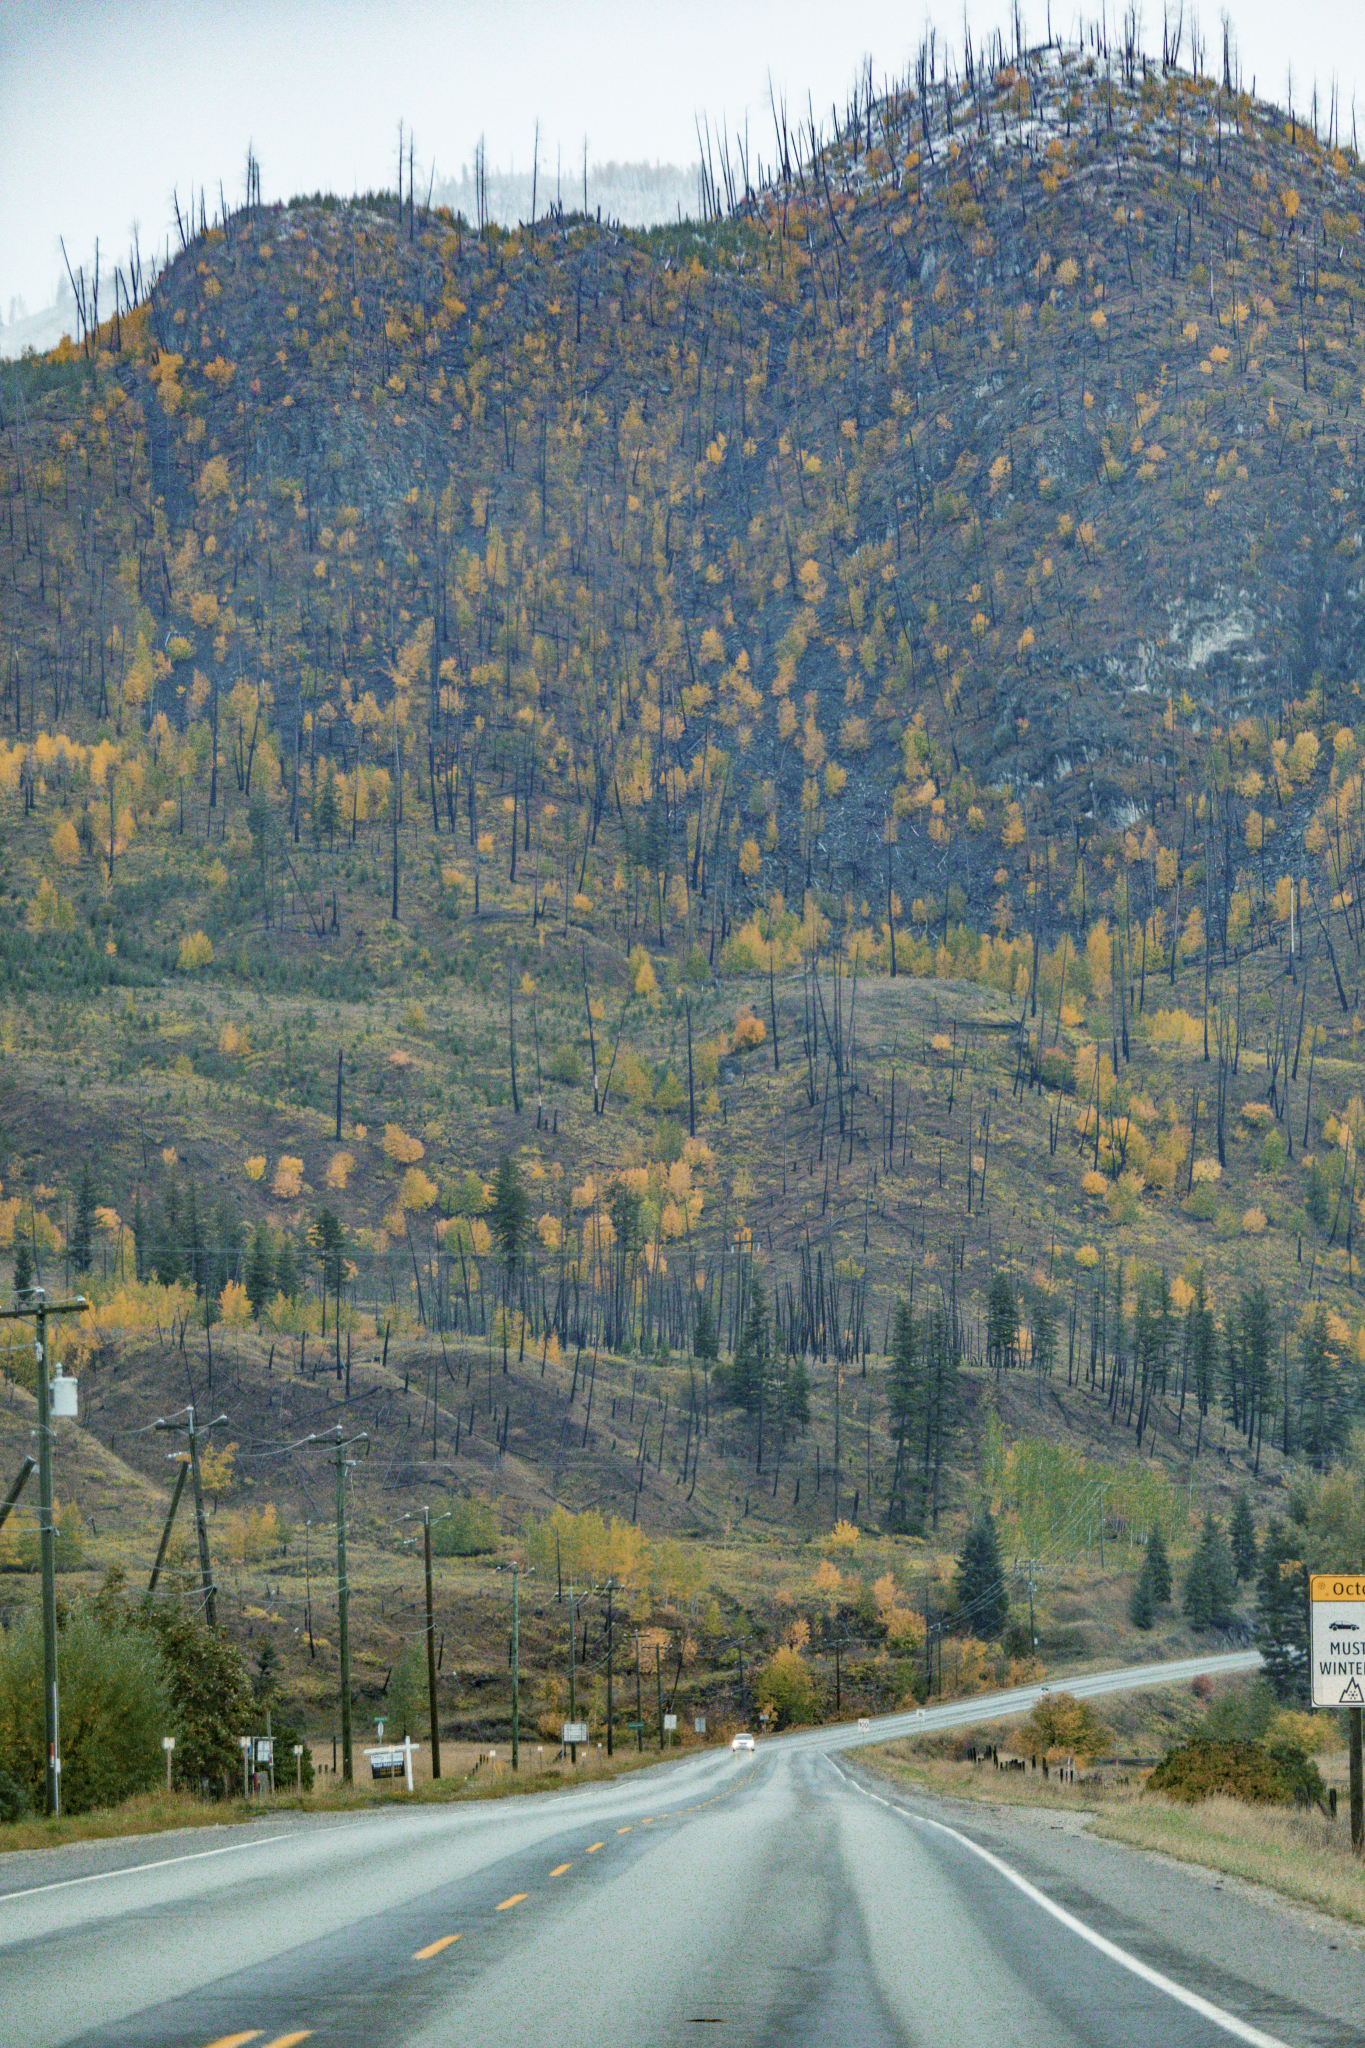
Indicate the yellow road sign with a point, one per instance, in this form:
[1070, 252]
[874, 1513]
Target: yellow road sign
[1338, 1639]
[1336, 1586]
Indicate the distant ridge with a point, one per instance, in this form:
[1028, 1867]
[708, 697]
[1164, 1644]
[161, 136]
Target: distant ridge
[639, 195]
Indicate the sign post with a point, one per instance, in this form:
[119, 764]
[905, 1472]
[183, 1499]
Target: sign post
[1337, 1605]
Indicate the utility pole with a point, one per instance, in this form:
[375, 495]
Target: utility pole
[181, 1476]
[339, 1446]
[308, 1585]
[611, 1586]
[431, 1633]
[210, 1591]
[29, 1465]
[516, 1665]
[639, 1710]
[659, 1682]
[38, 1307]
[573, 1669]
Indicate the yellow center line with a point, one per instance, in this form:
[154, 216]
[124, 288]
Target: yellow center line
[593, 1847]
[623, 1831]
[515, 1900]
[290, 2040]
[236, 2040]
[433, 1948]
[558, 1871]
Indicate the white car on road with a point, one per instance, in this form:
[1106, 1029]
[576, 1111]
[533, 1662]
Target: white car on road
[743, 1740]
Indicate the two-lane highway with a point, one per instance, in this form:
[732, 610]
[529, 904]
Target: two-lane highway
[780, 1898]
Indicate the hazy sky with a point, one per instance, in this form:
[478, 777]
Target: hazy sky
[108, 106]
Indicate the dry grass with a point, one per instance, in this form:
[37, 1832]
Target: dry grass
[1302, 1855]
[158, 1812]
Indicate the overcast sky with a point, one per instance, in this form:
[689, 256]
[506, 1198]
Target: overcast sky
[110, 104]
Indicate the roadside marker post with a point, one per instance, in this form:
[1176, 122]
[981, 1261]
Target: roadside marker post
[1336, 1604]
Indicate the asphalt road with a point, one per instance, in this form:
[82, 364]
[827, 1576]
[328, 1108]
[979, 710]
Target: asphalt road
[779, 1897]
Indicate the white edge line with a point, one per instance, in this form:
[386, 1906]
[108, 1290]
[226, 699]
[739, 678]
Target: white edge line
[136, 1869]
[1230, 2024]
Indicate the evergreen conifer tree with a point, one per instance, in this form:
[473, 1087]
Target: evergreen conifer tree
[83, 1221]
[705, 1336]
[1210, 1584]
[1321, 1410]
[1142, 1604]
[749, 1368]
[1160, 1567]
[1281, 1626]
[23, 1266]
[260, 1270]
[511, 1210]
[980, 1582]
[286, 1268]
[1002, 1318]
[1243, 1539]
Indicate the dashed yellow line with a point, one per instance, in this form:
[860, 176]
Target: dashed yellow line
[515, 1900]
[433, 1948]
[236, 2040]
[623, 1831]
[560, 1869]
[593, 1848]
[290, 2040]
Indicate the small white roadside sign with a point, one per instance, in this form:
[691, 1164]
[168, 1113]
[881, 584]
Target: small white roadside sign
[1337, 1605]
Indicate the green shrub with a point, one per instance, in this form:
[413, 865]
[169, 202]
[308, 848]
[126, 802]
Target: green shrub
[1319, 1194]
[565, 1065]
[471, 1530]
[115, 1708]
[15, 1803]
[1202, 1203]
[406, 1703]
[286, 1735]
[1277, 1776]
[68, 1547]
[1057, 1071]
[1241, 1712]
[786, 1689]
[210, 1695]
[1272, 1153]
[464, 1197]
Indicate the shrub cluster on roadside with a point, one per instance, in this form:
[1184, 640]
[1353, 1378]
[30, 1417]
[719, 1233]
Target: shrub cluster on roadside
[129, 1676]
[1264, 1774]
